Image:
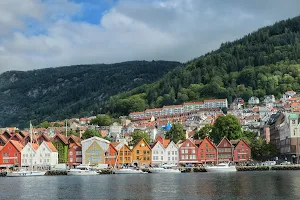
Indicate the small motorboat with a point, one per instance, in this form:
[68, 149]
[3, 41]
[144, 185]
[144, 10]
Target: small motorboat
[23, 173]
[165, 169]
[82, 170]
[222, 167]
[129, 171]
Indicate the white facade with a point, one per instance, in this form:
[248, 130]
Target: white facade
[191, 106]
[158, 154]
[115, 129]
[170, 110]
[216, 103]
[153, 112]
[42, 156]
[46, 156]
[93, 150]
[161, 155]
[171, 153]
[253, 100]
[28, 153]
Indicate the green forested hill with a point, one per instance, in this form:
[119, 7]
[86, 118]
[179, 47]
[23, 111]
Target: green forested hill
[57, 93]
[264, 62]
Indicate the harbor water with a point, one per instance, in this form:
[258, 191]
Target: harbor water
[234, 185]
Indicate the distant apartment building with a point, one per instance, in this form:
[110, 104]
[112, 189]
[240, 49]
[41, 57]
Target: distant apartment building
[171, 110]
[191, 106]
[215, 103]
[253, 100]
[153, 112]
[179, 109]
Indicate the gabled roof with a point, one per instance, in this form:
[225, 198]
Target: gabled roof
[62, 137]
[50, 146]
[112, 146]
[209, 140]
[17, 135]
[186, 140]
[197, 142]
[96, 138]
[17, 145]
[225, 138]
[241, 140]
[76, 139]
[23, 134]
[34, 146]
[157, 143]
[144, 143]
[45, 136]
[3, 138]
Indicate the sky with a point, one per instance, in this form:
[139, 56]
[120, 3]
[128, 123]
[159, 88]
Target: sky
[38, 34]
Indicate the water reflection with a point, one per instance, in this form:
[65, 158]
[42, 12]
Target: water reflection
[240, 185]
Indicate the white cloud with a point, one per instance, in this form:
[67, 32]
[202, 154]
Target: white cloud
[132, 30]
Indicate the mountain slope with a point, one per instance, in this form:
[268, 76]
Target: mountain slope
[58, 93]
[263, 62]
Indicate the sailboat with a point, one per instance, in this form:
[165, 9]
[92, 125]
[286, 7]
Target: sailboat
[23, 172]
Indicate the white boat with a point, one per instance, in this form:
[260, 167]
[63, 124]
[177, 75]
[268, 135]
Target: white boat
[165, 169]
[25, 173]
[82, 170]
[222, 167]
[129, 171]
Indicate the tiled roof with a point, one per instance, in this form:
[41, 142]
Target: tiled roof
[51, 146]
[173, 106]
[115, 143]
[45, 136]
[17, 145]
[35, 146]
[136, 113]
[62, 137]
[234, 142]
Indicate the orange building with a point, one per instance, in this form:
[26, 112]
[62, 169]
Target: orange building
[207, 151]
[111, 155]
[141, 153]
[124, 153]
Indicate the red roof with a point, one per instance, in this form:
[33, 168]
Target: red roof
[51, 146]
[76, 139]
[35, 146]
[61, 137]
[17, 145]
[173, 106]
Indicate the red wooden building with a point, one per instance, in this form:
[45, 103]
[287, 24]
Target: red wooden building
[188, 152]
[74, 151]
[242, 151]
[10, 153]
[225, 150]
[207, 151]
[111, 155]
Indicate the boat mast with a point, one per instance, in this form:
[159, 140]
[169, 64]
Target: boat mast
[66, 129]
[31, 146]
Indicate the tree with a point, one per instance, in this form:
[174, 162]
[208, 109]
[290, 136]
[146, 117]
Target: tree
[57, 125]
[203, 132]
[176, 133]
[102, 120]
[226, 126]
[138, 135]
[44, 124]
[90, 133]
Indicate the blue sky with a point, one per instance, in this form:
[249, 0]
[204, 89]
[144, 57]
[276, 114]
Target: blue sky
[50, 33]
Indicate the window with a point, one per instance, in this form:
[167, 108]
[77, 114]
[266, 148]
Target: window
[168, 152]
[242, 150]
[202, 156]
[182, 157]
[201, 150]
[144, 151]
[175, 152]
[137, 151]
[172, 152]
[78, 153]
[186, 157]
[206, 144]
[9, 148]
[173, 158]
[138, 158]
[169, 158]
[161, 158]
[144, 158]
[182, 151]
[71, 153]
[293, 121]
[191, 156]
[225, 144]
[43, 149]
[78, 159]
[188, 144]
[5, 160]
[148, 158]
[242, 145]
[148, 152]
[193, 151]
[246, 150]
[186, 151]
[238, 156]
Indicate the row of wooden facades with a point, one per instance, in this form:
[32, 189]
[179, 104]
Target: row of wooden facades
[71, 151]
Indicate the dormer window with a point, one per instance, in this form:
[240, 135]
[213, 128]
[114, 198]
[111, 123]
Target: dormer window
[188, 144]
